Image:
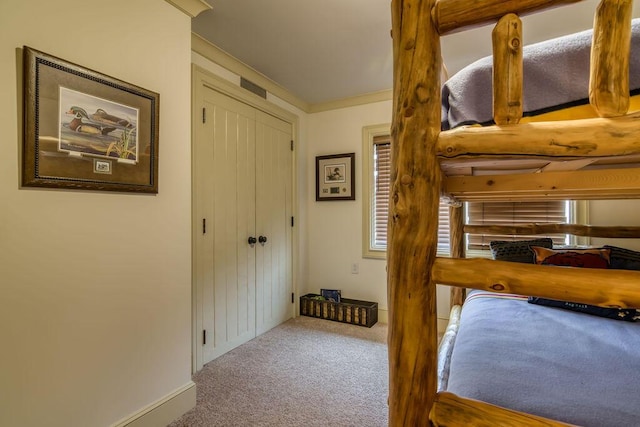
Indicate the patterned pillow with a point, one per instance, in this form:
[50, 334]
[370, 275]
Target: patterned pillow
[586, 258]
[518, 251]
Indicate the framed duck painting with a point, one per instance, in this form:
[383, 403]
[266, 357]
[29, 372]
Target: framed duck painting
[85, 130]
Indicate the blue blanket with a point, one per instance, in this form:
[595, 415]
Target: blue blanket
[555, 73]
[568, 366]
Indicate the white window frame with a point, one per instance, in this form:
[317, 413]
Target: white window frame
[578, 210]
[369, 250]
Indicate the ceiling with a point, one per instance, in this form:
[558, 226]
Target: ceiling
[326, 50]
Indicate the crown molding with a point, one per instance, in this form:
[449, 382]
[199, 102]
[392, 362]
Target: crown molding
[213, 53]
[367, 98]
[190, 7]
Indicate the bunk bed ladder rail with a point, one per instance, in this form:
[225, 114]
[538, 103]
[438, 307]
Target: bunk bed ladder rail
[413, 269]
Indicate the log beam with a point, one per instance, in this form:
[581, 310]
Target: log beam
[455, 411]
[567, 139]
[577, 185]
[413, 213]
[546, 229]
[453, 15]
[507, 70]
[584, 285]
[609, 75]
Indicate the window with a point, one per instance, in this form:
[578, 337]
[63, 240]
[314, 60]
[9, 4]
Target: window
[376, 183]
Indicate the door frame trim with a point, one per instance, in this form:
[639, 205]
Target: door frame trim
[200, 78]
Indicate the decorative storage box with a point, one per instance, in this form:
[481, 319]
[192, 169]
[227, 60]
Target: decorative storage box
[361, 313]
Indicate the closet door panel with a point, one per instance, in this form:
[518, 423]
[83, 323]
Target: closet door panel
[233, 169]
[273, 220]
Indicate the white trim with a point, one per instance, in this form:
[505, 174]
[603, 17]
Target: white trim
[191, 8]
[163, 411]
[368, 133]
[367, 98]
[213, 53]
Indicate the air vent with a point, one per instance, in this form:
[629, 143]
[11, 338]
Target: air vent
[252, 87]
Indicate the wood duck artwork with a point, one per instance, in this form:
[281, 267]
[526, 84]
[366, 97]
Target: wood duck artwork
[99, 123]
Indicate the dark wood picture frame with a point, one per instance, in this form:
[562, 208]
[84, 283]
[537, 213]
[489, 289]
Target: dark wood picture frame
[87, 131]
[336, 177]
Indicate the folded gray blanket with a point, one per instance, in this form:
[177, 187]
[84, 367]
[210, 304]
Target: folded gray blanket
[556, 75]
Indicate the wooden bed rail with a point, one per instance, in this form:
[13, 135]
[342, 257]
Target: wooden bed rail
[574, 185]
[588, 286]
[450, 410]
[565, 139]
[545, 229]
[453, 15]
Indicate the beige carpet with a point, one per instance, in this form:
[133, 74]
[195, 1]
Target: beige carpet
[305, 372]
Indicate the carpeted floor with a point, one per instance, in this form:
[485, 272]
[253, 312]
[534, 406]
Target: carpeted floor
[305, 372]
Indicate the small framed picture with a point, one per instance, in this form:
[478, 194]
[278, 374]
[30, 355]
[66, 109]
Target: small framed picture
[333, 295]
[335, 177]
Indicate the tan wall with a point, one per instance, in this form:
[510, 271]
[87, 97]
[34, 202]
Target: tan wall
[95, 288]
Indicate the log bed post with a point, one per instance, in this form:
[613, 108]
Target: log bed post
[413, 216]
[456, 239]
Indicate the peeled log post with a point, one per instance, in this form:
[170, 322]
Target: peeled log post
[413, 214]
[609, 78]
[507, 70]
[456, 238]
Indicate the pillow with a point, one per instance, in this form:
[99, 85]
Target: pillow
[586, 258]
[624, 259]
[518, 251]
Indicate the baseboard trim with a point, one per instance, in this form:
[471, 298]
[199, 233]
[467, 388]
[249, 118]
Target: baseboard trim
[163, 411]
[383, 317]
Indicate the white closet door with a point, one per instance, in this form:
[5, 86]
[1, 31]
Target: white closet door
[225, 262]
[273, 221]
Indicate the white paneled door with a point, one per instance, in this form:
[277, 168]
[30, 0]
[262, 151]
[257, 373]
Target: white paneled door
[242, 191]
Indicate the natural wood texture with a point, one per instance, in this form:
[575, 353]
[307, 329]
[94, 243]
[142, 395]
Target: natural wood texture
[454, 411]
[413, 213]
[545, 229]
[446, 347]
[589, 286]
[452, 15]
[507, 70]
[457, 243]
[567, 139]
[577, 185]
[609, 78]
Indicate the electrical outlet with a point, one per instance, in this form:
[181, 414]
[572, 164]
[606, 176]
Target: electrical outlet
[355, 268]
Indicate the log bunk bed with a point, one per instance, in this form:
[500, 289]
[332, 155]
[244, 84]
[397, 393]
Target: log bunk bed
[582, 159]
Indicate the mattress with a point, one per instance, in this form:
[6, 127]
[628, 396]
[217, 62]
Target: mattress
[568, 366]
[555, 76]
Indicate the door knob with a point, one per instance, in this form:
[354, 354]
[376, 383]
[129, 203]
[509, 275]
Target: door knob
[262, 240]
[252, 241]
